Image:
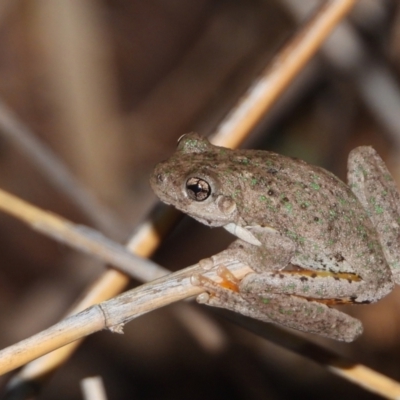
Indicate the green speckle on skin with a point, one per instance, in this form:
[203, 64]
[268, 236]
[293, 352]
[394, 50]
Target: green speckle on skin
[362, 233]
[388, 177]
[361, 170]
[286, 311]
[263, 198]
[305, 288]
[290, 287]
[305, 205]
[244, 161]
[254, 181]
[332, 214]
[315, 186]
[294, 236]
[308, 311]
[373, 245]
[289, 207]
[378, 209]
[236, 193]
[265, 300]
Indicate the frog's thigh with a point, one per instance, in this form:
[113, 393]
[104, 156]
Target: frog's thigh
[309, 284]
[290, 311]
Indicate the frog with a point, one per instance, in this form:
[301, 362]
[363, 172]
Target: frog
[311, 240]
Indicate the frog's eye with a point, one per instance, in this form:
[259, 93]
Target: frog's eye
[198, 189]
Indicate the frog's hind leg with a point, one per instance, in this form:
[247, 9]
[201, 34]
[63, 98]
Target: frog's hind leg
[375, 188]
[290, 311]
[321, 286]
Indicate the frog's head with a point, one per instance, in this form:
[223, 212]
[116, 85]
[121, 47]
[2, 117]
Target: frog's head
[192, 181]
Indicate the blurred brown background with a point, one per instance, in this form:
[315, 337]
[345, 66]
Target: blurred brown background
[109, 86]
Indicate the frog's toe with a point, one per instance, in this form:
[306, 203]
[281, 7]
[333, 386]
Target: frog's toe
[203, 298]
[207, 263]
[218, 294]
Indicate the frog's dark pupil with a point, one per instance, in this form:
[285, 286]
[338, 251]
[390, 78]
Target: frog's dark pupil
[198, 189]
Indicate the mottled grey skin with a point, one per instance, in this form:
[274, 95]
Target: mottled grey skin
[287, 212]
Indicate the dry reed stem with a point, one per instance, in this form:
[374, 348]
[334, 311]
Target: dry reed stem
[81, 238]
[368, 379]
[112, 314]
[277, 76]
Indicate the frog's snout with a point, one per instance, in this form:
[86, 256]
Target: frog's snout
[160, 182]
[158, 176]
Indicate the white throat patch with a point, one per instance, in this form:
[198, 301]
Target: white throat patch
[242, 233]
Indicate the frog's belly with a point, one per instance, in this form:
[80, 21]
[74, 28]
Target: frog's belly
[335, 263]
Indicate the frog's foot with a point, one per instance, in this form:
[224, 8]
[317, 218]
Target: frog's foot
[229, 283]
[325, 287]
[290, 311]
[224, 294]
[225, 257]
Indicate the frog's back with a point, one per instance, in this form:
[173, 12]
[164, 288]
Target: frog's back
[314, 208]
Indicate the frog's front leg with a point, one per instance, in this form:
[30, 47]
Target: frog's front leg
[290, 311]
[273, 251]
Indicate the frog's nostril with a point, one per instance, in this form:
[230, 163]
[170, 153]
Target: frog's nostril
[160, 178]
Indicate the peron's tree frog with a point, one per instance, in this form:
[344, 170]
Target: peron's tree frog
[311, 240]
